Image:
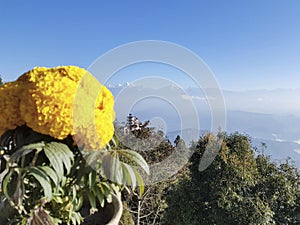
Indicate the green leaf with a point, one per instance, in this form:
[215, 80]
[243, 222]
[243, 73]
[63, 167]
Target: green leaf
[58, 199]
[78, 217]
[105, 188]
[129, 175]
[67, 152]
[74, 192]
[55, 161]
[34, 146]
[92, 178]
[135, 157]
[24, 221]
[115, 141]
[3, 163]
[116, 188]
[92, 157]
[112, 169]
[51, 173]
[78, 204]
[18, 196]
[26, 150]
[62, 154]
[140, 182]
[92, 199]
[5, 183]
[73, 219]
[43, 179]
[100, 195]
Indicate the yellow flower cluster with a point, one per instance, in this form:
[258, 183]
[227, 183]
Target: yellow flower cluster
[95, 119]
[59, 101]
[10, 116]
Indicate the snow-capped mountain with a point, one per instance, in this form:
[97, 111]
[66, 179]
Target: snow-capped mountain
[270, 116]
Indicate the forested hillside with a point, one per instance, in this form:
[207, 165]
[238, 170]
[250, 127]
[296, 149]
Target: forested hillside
[241, 186]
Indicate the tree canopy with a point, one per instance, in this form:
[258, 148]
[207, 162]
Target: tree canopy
[241, 186]
[237, 188]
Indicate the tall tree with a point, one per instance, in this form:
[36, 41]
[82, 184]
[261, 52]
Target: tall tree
[154, 147]
[237, 188]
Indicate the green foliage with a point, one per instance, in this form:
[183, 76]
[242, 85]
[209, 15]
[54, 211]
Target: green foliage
[237, 188]
[121, 172]
[154, 147]
[234, 189]
[49, 182]
[279, 186]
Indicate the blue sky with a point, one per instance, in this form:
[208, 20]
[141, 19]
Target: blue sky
[247, 44]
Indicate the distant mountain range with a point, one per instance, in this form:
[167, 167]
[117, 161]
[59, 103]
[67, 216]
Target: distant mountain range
[269, 116]
[278, 150]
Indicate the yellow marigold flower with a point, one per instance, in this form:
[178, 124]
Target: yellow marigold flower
[46, 105]
[93, 123]
[61, 101]
[9, 106]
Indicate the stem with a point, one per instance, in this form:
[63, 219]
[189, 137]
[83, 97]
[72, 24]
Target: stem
[34, 158]
[138, 212]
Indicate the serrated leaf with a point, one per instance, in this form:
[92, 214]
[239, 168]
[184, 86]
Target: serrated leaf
[43, 179]
[135, 157]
